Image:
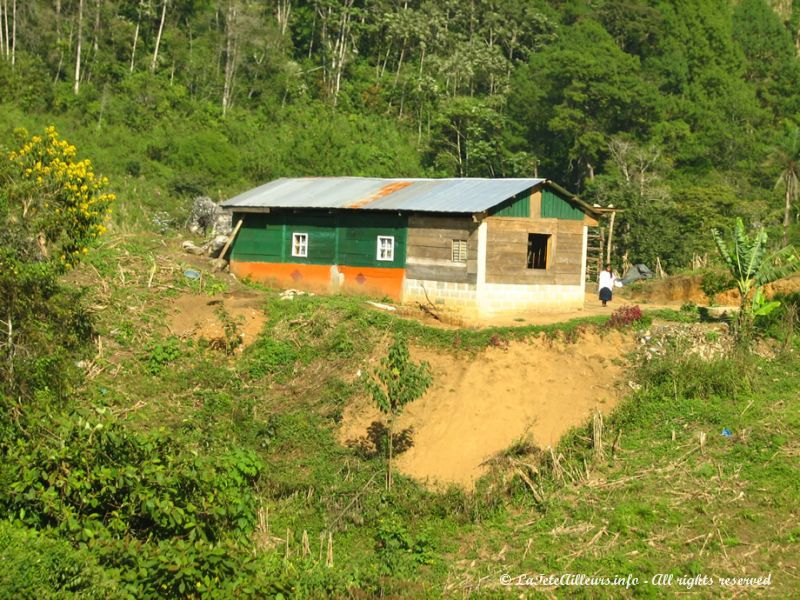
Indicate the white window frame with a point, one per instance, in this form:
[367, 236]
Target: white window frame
[390, 248]
[458, 248]
[302, 245]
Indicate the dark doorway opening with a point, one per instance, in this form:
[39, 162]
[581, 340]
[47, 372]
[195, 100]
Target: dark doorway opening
[538, 246]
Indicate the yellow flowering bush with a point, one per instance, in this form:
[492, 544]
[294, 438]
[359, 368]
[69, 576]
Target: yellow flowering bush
[55, 200]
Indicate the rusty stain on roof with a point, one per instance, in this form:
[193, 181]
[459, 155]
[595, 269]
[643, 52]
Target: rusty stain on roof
[381, 193]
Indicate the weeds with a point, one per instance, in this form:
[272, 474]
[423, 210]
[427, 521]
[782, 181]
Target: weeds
[232, 336]
[161, 354]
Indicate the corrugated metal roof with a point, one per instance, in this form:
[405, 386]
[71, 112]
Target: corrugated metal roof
[423, 195]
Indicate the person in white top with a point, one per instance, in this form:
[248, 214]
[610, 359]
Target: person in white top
[605, 283]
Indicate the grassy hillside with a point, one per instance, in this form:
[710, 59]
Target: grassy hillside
[265, 418]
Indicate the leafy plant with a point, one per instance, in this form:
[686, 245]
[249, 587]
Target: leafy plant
[230, 329]
[394, 384]
[752, 268]
[163, 353]
[714, 282]
[625, 316]
[398, 550]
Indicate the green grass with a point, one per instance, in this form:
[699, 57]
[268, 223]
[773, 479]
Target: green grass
[658, 505]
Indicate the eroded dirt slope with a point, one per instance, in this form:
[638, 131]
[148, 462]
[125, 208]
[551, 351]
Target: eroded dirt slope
[479, 406]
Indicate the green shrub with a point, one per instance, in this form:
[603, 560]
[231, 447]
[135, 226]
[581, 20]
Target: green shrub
[92, 478]
[37, 564]
[270, 356]
[399, 551]
[161, 354]
[688, 375]
[715, 282]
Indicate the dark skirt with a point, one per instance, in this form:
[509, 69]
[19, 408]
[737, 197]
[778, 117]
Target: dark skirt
[605, 294]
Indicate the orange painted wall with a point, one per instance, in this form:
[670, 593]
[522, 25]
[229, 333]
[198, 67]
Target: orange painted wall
[374, 281]
[317, 278]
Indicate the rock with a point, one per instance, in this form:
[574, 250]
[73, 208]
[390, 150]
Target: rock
[192, 248]
[219, 264]
[291, 293]
[205, 215]
[215, 245]
[223, 224]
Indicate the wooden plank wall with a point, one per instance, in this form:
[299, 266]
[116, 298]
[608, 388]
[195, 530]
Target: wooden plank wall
[429, 248]
[507, 251]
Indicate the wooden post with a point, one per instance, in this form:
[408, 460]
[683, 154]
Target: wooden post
[602, 257]
[659, 269]
[230, 239]
[219, 263]
[597, 435]
[610, 235]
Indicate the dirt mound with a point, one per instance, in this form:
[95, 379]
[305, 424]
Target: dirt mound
[687, 288]
[198, 316]
[479, 406]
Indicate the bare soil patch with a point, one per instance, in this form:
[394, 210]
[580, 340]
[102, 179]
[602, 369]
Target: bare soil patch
[480, 405]
[687, 288]
[197, 316]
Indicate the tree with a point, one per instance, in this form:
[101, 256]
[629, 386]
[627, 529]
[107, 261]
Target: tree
[786, 156]
[394, 384]
[52, 209]
[747, 260]
[770, 56]
[573, 96]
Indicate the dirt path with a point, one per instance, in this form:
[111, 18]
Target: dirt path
[479, 406]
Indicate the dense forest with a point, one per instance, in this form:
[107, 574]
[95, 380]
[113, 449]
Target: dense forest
[684, 113]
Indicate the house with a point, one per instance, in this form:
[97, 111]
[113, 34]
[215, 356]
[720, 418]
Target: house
[477, 246]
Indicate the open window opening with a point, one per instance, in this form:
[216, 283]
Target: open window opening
[538, 247]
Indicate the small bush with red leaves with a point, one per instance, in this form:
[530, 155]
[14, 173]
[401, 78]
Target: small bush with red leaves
[625, 316]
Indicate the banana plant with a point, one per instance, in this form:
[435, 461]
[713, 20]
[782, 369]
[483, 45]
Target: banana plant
[752, 268]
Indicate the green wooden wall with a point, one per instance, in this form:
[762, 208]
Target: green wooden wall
[518, 206]
[339, 238]
[555, 206]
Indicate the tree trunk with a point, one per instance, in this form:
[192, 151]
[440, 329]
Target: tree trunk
[2, 35]
[340, 50]
[103, 102]
[135, 40]
[230, 56]
[10, 342]
[14, 33]
[610, 235]
[4, 24]
[58, 41]
[787, 211]
[390, 443]
[282, 13]
[77, 84]
[95, 34]
[154, 62]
